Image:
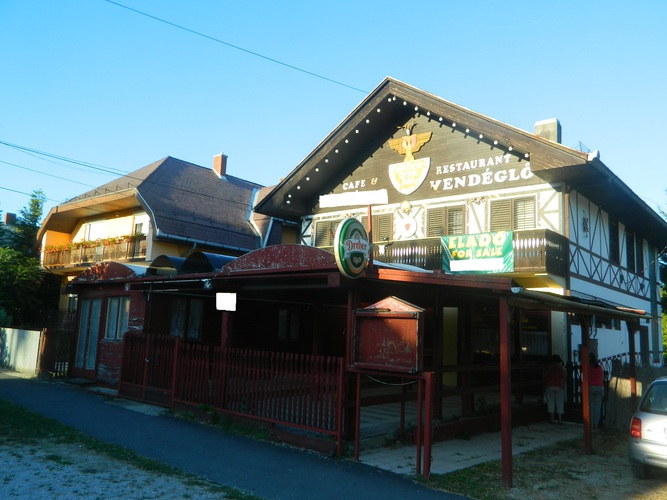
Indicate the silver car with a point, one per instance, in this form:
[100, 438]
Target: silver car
[648, 431]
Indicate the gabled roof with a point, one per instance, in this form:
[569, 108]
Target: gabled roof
[186, 203]
[393, 103]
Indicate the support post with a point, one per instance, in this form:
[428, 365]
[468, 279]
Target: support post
[428, 424]
[585, 322]
[505, 393]
[632, 328]
[370, 236]
[420, 400]
[224, 330]
[357, 417]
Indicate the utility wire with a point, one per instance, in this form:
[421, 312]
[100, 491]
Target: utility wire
[256, 54]
[44, 173]
[115, 172]
[21, 192]
[101, 168]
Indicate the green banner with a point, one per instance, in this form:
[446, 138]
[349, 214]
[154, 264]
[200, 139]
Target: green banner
[483, 253]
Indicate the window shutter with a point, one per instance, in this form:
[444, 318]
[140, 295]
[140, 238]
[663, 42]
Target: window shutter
[501, 215]
[640, 255]
[383, 226]
[524, 214]
[436, 218]
[445, 220]
[630, 251]
[455, 221]
[325, 232]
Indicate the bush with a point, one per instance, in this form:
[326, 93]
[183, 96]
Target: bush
[5, 318]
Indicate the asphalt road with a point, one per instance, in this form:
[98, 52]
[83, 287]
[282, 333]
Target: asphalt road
[264, 469]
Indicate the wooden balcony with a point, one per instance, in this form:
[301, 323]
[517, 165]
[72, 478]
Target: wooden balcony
[85, 255]
[535, 251]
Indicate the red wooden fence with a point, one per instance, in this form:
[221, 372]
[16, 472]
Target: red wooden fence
[297, 390]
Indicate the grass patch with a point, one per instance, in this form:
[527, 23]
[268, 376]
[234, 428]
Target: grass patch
[20, 426]
[542, 469]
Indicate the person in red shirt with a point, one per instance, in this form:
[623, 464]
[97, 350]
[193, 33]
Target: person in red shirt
[555, 389]
[596, 389]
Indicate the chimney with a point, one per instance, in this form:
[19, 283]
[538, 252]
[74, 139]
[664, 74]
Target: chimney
[549, 129]
[9, 219]
[220, 164]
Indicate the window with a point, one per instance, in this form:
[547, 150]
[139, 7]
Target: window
[613, 242]
[187, 316]
[383, 226]
[118, 311]
[195, 319]
[87, 334]
[512, 214]
[288, 325]
[445, 220]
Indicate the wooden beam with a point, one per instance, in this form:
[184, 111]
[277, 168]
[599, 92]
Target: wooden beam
[585, 322]
[505, 393]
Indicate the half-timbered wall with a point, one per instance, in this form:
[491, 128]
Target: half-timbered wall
[610, 259]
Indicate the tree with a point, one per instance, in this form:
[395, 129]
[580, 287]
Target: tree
[5, 233]
[27, 225]
[25, 290]
[20, 281]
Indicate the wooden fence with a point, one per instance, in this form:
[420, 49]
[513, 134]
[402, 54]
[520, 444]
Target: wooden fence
[297, 390]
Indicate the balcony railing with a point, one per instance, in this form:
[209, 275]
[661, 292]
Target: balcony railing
[538, 250]
[118, 251]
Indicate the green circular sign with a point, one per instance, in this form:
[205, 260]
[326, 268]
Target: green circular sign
[351, 248]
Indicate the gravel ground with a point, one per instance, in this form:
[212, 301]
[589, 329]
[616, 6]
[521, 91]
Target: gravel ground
[48, 470]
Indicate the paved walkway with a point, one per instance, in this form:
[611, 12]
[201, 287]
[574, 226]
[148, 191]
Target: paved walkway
[264, 469]
[458, 454]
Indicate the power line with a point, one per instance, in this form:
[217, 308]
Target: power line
[108, 170]
[256, 54]
[44, 173]
[101, 168]
[22, 192]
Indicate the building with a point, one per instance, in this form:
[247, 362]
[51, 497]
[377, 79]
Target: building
[152, 217]
[429, 168]
[499, 246]
[170, 207]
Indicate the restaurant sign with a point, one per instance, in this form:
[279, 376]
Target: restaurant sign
[483, 253]
[351, 248]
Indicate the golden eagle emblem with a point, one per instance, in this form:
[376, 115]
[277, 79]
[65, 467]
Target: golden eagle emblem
[410, 143]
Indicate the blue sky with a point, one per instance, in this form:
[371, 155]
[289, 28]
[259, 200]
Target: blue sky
[103, 85]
